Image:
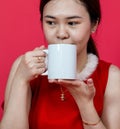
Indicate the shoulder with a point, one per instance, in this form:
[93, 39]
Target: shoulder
[113, 85]
[114, 73]
[114, 69]
[112, 98]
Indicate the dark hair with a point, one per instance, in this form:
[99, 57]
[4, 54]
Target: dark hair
[93, 8]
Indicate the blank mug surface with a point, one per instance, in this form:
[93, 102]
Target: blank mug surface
[62, 61]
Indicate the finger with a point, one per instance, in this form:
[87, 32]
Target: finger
[70, 82]
[39, 59]
[39, 53]
[33, 55]
[41, 65]
[40, 48]
[39, 72]
[53, 81]
[35, 65]
[90, 84]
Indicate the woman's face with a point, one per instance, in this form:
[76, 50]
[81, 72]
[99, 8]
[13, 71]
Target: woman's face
[67, 21]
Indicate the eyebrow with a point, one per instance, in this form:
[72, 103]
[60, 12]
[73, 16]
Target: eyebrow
[71, 17]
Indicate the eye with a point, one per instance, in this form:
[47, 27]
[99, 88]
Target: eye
[51, 23]
[74, 23]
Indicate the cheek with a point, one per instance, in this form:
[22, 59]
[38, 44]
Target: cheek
[81, 35]
[48, 34]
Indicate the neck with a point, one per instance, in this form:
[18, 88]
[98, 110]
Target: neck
[81, 61]
[89, 68]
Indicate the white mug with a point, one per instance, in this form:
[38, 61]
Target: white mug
[61, 61]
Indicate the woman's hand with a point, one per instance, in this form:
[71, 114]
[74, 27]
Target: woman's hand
[82, 92]
[32, 64]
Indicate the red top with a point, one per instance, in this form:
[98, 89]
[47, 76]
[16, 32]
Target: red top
[49, 112]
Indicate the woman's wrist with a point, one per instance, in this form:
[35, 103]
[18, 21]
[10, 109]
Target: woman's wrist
[91, 124]
[87, 110]
[84, 105]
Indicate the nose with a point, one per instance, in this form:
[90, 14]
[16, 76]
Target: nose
[62, 33]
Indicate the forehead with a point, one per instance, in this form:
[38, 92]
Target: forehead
[65, 7]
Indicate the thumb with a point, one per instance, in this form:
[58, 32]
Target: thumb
[40, 48]
[90, 84]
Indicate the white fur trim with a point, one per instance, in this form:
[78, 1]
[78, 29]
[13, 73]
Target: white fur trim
[89, 67]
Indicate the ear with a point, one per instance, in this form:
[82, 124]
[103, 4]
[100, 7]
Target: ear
[94, 27]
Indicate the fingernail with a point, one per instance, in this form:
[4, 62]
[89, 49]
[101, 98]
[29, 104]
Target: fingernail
[90, 80]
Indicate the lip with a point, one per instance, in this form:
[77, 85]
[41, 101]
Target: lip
[62, 43]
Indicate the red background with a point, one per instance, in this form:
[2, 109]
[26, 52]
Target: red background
[20, 31]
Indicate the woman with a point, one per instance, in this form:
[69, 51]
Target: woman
[89, 102]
